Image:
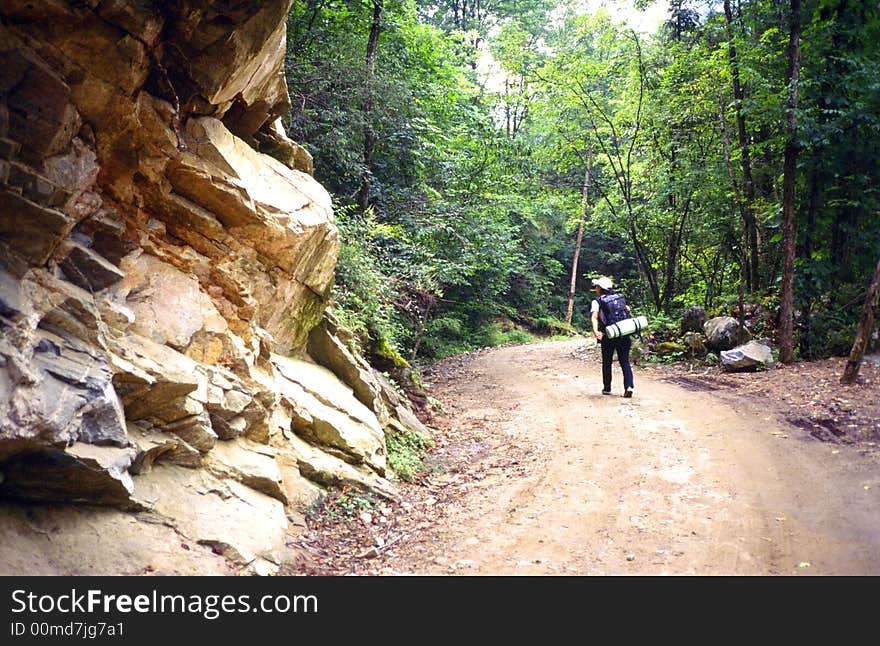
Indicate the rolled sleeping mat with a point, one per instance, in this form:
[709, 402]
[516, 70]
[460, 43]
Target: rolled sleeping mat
[626, 327]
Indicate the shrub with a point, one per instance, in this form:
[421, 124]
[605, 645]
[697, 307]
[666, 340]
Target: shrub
[342, 505]
[406, 453]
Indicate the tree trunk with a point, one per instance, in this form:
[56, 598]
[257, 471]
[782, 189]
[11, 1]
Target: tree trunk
[422, 325]
[851, 372]
[743, 257]
[585, 203]
[749, 221]
[369, 135]
[789, 235]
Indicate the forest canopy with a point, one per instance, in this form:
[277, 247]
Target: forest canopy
[469, 145]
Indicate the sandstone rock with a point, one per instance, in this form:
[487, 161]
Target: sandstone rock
[106, 234]
[327, 470]
[149, 376]
[195, 430]
[254, 217]
[154, 447]
[76, 540]
[330, 351]
[250, 463]
[41, 115]
[64, 308]
[326, 411]
[400, 409]
[749, 356]
[81, 474]
[155, 252]
[244, 66]
[32, 185]
[79, 381]
[149, 447]
[54, 392]
[168, 305]
[10, 295]
[75, 171]
[300, 492]
[273, 141]
[262, 567]
[212, 511]
[86, 269]
[115, 315]
[31, 231]
[141, 19]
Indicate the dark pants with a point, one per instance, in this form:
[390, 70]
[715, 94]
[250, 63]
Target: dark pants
[621, 344]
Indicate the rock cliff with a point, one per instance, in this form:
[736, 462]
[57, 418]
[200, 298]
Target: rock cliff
[167, 360]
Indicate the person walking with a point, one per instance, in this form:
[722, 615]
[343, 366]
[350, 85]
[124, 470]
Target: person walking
[607, 308]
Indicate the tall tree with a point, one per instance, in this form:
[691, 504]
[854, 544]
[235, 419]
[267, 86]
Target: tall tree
[584, 212]
[363, 198]
[789, 239]
[750, 232]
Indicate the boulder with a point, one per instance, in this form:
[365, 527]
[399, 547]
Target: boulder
[749, 356]
[724, 333]
[693, 319]
[667, 348]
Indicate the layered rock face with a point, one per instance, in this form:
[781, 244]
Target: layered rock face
[165, 263]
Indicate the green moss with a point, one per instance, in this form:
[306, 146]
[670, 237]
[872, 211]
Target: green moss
[298, 326]
[386, 351]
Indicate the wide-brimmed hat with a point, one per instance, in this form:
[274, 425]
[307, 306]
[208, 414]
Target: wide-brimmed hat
[604, 282]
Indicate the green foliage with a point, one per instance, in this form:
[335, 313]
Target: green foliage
[406, 453]
[363, 294]
[548, 325]
[492, 335]
[477, 187]
[663, 325]
[342, 505]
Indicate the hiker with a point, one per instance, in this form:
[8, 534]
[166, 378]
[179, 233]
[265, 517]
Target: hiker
[610, 307]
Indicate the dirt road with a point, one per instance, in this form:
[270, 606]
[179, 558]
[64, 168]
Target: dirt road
[563, 480]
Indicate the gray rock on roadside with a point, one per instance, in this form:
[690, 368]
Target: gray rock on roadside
[749, 356]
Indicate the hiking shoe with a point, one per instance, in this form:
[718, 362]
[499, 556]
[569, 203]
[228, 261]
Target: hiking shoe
[606, 392]
[628, 392]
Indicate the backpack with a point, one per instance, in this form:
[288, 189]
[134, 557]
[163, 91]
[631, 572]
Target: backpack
[612, 309]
